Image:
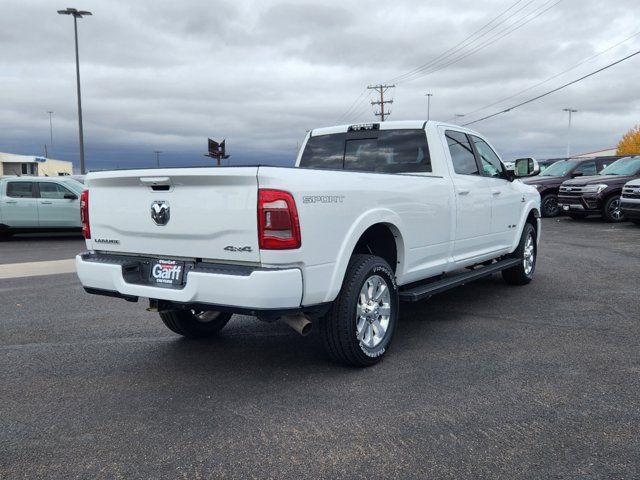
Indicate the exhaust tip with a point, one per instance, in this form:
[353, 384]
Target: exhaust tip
[306, 329]
[299, 323]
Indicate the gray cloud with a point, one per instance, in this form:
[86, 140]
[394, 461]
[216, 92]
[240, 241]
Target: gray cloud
[165, 74]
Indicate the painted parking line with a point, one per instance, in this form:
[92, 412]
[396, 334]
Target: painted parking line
[32, 269]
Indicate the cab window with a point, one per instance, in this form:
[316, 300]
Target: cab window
[52, 190]
[491, 164]
[464, 161]
[20, 189]
[382, 151]
[586, 168]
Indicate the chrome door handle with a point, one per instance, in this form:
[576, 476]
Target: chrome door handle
[11, 201]
[463, 192]
[496, 192]
[46, 203]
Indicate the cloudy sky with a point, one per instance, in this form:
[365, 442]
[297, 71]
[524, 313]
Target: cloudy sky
[165, 75]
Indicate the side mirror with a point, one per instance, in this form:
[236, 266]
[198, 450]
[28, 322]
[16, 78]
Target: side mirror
[70, 196]
[526, 167]
[576, 174]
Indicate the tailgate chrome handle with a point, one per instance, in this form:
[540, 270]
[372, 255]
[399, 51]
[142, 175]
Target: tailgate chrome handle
[155, 180]
[463, 192]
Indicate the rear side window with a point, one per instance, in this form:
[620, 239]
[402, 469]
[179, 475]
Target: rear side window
[20, 189]
[464, 161]
[324, 151]
[385, 151]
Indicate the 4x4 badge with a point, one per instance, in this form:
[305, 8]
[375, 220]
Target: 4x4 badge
[160, 212]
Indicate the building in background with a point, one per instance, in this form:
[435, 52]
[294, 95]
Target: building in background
[607, 152]
[12, 164]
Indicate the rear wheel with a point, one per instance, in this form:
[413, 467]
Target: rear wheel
[527, 252]
[612, 211]
[549, 205]
[359, 327]
[195, 323]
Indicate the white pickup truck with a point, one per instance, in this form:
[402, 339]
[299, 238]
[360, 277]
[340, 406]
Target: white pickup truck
[370, 215]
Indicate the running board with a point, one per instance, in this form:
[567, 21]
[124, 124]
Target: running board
[423, 291]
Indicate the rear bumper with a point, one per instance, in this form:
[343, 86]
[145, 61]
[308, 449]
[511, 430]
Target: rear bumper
[239, 289]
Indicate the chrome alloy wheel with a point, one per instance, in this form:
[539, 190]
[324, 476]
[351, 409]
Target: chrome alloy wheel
[614, 209]
[529, 255]
[205, 316]
[373, 312]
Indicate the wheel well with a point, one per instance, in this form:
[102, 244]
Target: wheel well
[532, 218]
[379, 240]
[609, 195]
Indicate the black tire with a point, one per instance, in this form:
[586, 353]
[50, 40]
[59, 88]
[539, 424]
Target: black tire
[636, 221]
[342, 324]
[521, 274]
[577, 216]
[5, 236]
[549, 205]
[611, 211]
[195, 324]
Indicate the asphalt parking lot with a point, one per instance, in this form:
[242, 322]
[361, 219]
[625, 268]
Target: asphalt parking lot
[485, 381]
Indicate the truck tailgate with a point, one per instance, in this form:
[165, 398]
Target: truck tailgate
[207, 213]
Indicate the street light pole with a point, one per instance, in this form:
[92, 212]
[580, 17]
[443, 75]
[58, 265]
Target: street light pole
[571, 111]
[428, 95]
[157, 152]
[50, 129]
[78, 14]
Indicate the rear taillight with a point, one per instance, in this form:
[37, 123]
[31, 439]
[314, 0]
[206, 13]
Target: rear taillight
[84, 214]
[278, 225]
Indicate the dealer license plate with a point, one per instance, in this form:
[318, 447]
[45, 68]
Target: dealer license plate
[166, 272]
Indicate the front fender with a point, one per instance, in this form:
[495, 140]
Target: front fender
[532, 205]
[359, 226]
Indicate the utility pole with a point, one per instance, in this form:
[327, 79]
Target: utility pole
[78, 14]
[571, 111]
[428, 95]
[157, 152]
[50, 129]
[381, 89]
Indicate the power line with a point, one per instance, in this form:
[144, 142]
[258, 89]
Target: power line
[491, 40]
[381, 89]
[351, 107]
[462, 43]
[554, 90]
[555, 76]
[436, 64]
